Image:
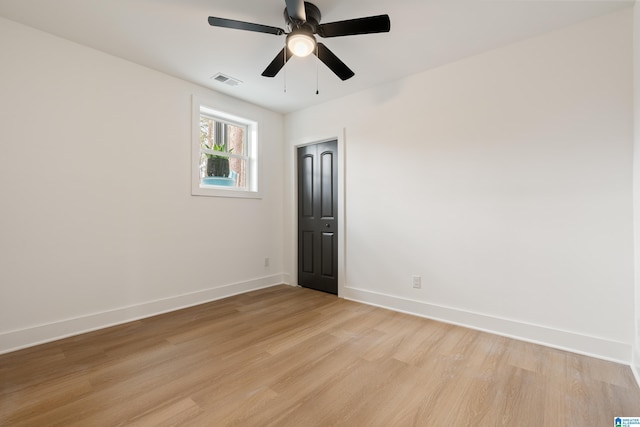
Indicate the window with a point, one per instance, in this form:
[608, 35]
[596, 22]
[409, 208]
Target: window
[224, 154]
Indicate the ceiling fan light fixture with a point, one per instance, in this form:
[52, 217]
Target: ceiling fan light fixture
[301, 44]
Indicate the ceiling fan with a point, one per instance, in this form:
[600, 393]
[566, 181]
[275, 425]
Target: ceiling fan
[303, 21]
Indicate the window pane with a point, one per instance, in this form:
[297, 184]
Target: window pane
[220, 136]
[238, 169]
[217, 169]
[234, 176]
[235, 139]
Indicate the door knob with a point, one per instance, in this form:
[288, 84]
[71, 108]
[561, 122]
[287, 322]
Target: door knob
[327, 225]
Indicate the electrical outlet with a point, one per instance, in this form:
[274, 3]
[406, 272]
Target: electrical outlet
[417, 282]
[266, 262]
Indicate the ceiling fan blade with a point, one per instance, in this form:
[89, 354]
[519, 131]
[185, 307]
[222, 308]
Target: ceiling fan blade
[333, 62]
[295, 9]
[241, 25]
[277, 63]
[352, 27]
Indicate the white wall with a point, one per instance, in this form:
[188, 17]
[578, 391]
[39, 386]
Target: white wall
[97, 224]
[510, 189]
[636, 186]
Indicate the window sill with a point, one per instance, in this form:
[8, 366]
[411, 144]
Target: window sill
[220, 191]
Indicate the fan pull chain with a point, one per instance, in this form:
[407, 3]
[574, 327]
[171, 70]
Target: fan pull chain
[317, 73]
[285, 70]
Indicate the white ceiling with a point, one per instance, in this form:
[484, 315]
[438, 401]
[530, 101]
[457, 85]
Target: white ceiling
[173, 36]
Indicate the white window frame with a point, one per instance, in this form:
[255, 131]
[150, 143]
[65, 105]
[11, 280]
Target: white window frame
[202, 106]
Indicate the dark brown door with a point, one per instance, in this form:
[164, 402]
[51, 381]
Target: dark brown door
[318, 216]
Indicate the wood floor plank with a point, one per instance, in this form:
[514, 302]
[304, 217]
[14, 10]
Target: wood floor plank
[285, 356]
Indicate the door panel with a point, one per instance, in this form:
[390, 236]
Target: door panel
[307, 251]
[306, 186]
[317, 217]
[327, 254]
[326, 185]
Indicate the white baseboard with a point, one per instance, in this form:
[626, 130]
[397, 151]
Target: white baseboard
[16, 340]
[577, 343]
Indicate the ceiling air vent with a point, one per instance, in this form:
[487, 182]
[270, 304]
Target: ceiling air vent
[226, 80]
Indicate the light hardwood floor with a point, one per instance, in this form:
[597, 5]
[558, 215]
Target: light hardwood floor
[287, 356]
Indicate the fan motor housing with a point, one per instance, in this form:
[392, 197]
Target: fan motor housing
[313, 18]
